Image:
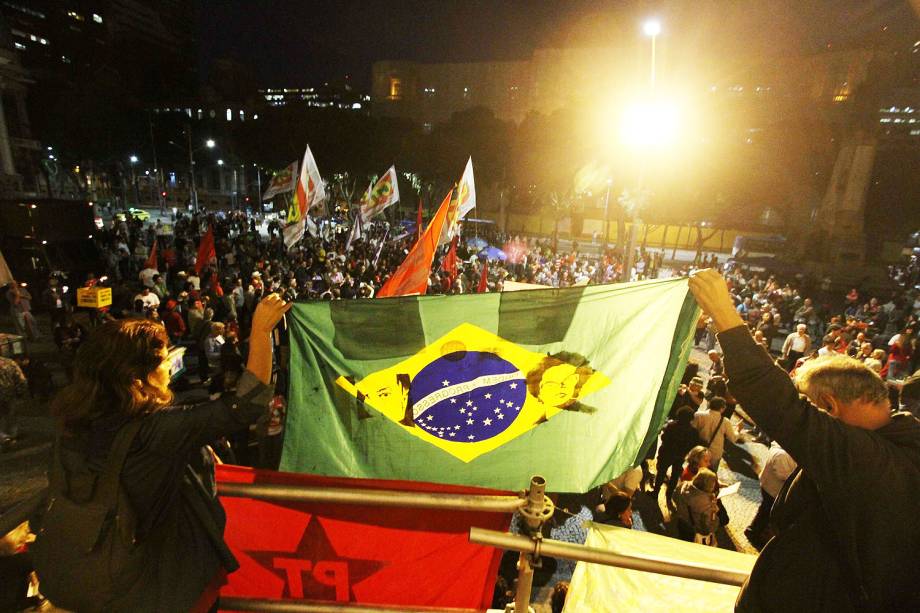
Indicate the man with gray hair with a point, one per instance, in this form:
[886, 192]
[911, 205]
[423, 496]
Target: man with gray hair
[847, 534]
[796, 345]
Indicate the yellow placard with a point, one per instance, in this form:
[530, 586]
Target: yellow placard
[94, 297]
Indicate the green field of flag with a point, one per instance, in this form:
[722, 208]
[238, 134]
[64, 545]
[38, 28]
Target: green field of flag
[486, 389]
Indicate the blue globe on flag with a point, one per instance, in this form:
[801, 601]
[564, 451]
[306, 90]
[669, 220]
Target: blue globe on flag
[467, 396]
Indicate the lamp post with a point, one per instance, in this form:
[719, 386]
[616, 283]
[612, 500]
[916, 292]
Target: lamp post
[210, 144]
[652, 28]
[651, 126]
[137, 195]
[607, 214]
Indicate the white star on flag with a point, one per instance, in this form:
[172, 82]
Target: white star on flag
[469, 403]
[469, 422]
[445, 382]
[453, 401]
[488, 396]
[513, 386]
[487, 422]
[500, 416]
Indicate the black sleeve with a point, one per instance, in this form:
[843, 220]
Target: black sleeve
[180, 429]
[832, 452]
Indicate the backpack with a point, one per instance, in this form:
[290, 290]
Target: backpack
[86, 554]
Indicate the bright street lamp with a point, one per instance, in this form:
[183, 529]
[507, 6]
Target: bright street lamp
[220, 162]
[210, 144]
[650, 124]
[133, 159]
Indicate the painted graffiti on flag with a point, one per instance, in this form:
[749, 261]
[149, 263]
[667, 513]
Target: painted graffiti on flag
[470, 391]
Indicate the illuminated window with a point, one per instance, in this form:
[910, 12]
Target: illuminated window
[466, 92]
[75, 15]
[395, 88]
[229, 115]
[19, 46]
[97, 18]
[842, 93]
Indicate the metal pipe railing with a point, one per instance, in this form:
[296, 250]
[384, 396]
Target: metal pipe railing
[382, 498]
[570, 551]
[266, 605]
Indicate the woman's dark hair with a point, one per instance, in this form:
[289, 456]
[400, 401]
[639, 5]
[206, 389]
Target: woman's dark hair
[110, 373]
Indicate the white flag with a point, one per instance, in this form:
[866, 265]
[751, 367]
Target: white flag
[310, 193]
[293, 232]
[6, 277]
[463, 201]
[357, 231]
[380, 195]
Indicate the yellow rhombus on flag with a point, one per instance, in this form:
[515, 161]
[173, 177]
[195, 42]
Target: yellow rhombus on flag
[470, 391]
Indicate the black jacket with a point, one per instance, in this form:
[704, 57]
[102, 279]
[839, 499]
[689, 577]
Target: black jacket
[677, 439]
[850, 516]
[172, 502]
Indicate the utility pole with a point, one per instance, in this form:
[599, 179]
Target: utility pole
[156, 166]
[193, 190]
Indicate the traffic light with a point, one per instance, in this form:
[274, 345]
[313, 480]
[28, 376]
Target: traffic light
[163, 193]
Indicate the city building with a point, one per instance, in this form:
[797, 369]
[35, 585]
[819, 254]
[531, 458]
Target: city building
[19, 152]
[337, 96]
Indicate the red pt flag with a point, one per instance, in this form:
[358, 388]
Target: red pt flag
[484, 277]
[359, 554]
[206, 250]
[152, 260]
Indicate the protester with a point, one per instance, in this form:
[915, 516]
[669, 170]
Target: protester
[13, 388]
[121, 390]
[678, 437]
[777, 468]
[846, 536]
[713, 428]
[697, 511]
[21, 309]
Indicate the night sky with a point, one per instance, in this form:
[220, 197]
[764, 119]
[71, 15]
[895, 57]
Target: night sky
[306, 42]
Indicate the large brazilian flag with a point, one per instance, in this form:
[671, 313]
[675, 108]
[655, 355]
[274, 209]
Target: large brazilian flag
[487, 389]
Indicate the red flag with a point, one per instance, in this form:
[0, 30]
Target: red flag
[449, 265]
[484, 277]
[358, 554]
[418, 221]
[215, 285]
[152, 260]
[206, 250]
[412, 275]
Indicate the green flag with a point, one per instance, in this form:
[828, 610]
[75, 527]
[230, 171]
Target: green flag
[486, 389]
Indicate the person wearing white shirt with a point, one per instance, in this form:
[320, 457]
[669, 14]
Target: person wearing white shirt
[149, 299]
[777, 468]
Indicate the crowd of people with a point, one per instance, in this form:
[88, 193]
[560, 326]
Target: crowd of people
[207, 301]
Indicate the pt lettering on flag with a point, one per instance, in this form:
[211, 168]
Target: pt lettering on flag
[358, 554]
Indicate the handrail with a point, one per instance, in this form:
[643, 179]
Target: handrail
[571, 551]
[266, 605]
[382, 498]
